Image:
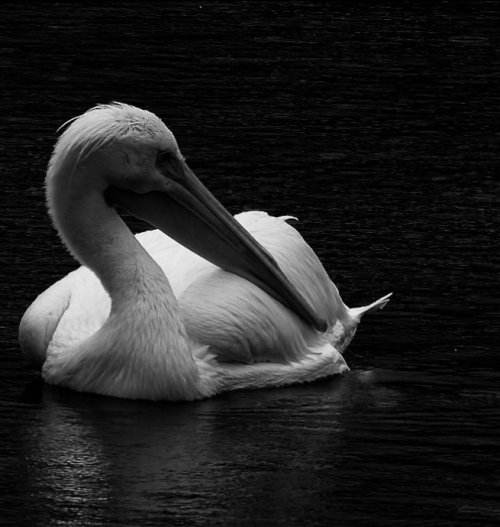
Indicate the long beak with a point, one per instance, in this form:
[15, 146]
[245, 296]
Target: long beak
[191, 215]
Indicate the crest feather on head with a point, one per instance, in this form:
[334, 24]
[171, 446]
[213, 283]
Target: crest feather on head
[100, 126]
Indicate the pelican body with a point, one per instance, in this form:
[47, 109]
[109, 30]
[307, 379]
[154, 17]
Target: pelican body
[204, 304]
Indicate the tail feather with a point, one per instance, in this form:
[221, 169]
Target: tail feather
[358, 312]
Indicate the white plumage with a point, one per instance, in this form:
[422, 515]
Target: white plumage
[165, 323]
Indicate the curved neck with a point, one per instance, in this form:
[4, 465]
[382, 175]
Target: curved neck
[144, 339]
[95, 234]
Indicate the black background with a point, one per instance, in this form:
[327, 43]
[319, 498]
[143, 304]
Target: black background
[377, 125]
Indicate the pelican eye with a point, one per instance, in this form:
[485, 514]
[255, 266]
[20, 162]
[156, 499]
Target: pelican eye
[170, 165]
[164, 154]
[164, 157]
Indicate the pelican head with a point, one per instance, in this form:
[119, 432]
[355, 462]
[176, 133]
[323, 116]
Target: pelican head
[129, 157]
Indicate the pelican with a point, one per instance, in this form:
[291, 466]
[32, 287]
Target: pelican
[206, 303]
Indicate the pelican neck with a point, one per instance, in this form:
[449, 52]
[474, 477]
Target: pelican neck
[99, 239]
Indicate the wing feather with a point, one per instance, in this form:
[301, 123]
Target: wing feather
[232, 316]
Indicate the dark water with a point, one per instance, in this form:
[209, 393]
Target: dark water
[379, 127]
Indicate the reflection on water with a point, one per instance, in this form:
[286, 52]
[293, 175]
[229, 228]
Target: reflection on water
[308, 452]
[89, 455]
[377, 126]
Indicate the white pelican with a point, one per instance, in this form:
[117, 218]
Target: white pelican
[146, 318]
